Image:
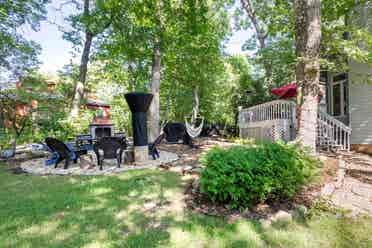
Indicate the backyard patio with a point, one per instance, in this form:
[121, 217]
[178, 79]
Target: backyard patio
[158, 123]
[152, 208]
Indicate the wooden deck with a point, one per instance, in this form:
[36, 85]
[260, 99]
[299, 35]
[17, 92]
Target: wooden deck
[276, 120]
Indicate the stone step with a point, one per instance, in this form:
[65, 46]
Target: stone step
[363, 176]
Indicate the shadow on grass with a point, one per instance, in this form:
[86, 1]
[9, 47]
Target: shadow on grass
[57, 211]
[76, 211]
[135, 209]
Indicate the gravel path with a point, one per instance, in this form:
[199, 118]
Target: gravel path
[87, 166]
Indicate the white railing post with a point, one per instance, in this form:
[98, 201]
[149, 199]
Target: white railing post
[333, 132]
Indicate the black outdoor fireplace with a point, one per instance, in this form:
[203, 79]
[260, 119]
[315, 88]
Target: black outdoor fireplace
[139, 103]
[101, 130]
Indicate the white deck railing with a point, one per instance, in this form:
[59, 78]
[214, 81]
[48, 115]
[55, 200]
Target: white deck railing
[278, 109]
[332, 133]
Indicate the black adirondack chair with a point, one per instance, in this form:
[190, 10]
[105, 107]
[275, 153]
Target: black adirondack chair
[153, 151]
[175, 131]
[111, 147]
[64, 152]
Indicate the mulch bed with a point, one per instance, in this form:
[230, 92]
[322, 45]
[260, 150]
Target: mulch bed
[197, 202]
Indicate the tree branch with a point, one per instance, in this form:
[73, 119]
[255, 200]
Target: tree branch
[261, 34]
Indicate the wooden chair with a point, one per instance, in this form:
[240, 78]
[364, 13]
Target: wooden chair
[109, 148]
[63, 152]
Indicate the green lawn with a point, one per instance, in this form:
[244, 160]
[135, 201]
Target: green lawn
[143, 209]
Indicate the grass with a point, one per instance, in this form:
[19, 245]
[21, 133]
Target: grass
[144, 209]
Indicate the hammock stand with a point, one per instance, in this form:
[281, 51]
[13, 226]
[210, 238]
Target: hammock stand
[192, 130]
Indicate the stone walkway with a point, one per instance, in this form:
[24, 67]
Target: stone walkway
[352, 188]
[87, 166]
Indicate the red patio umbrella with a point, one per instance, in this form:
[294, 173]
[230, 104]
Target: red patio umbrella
[286, 91]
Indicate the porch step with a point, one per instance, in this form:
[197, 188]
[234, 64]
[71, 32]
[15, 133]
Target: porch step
[358, 166]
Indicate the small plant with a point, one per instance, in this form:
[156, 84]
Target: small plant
[245, 175]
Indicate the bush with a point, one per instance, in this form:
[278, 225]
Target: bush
[245, 175]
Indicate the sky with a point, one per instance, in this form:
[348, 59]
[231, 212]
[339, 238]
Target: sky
[56, 52]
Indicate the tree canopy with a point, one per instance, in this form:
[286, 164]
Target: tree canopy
[17, 53]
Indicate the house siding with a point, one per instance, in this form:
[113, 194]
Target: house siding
[360, 108]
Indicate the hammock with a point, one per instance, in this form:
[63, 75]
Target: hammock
[194, 131]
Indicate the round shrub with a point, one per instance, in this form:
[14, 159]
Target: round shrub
[245, 175]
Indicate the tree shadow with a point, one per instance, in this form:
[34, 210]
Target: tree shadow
[135, 209]
[86, 205]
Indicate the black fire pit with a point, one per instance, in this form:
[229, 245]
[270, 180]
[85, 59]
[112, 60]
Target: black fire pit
[139, 103]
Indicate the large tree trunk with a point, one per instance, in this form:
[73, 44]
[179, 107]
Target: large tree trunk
[308, 37]
[153, 114]
[195, 107]
[80, 85]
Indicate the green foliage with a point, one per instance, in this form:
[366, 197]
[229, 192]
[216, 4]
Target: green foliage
[18, 54]
[47, 118]
[346, 34]
[244, 175]
[189, 34]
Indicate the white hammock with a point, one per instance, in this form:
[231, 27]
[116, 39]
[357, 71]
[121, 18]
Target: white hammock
[194, 131]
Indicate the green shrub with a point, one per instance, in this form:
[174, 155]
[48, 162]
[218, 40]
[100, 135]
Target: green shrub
[244, 175]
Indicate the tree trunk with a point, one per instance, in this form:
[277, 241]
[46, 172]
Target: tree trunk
[153, 114]
[195, 108]
[308, 37]
[80, 85]
[132, 80]
[14, 148]
[261, 37]
[168, 104]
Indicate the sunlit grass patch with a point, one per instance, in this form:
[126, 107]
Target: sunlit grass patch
[145, 209]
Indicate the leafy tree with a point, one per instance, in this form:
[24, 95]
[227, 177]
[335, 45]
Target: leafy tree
[271, 22]
[93, 21]
[18, 54]
[20, 106]
[341, 36]
[157, 41]
[343, 33]
[195, 60]
[135, 43]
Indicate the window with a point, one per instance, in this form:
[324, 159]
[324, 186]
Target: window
[346, 99]
[339, 77]
[339, 95]
[337, 100]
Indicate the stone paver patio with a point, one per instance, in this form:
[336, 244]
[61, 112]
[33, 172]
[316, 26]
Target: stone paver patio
[352, 189]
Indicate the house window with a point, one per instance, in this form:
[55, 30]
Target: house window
[337, 100]
[339, 95]
[346, 98]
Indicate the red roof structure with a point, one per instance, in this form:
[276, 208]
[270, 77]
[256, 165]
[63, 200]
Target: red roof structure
[102, 118]
[286, 91]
